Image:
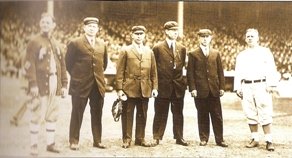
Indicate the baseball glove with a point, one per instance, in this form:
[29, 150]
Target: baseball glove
[117, 108]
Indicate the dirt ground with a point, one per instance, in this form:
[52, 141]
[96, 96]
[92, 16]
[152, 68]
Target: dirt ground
[14, 141]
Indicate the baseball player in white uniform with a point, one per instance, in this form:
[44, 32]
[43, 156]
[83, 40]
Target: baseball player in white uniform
[254, 82]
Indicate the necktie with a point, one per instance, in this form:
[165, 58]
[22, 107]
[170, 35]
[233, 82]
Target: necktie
[174, 54]
[139, 49]
[206, 52]
[92, 42]
[171, 47]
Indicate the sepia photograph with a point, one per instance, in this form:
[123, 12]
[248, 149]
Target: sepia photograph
[88, 78]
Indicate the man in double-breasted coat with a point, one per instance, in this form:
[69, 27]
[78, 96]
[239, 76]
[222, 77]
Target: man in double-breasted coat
[206, 83]
[86, 61]
[136, 79]
[170, 60]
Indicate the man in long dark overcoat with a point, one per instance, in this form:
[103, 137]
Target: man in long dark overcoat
[86, 61]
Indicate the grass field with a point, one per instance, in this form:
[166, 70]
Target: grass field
[15, 140]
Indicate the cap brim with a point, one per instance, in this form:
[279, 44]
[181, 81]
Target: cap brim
[90, 22]
[173, 28]
[204, 34]
[138, 31]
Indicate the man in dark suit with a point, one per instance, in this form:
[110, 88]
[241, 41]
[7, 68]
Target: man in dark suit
[86, 60]
[136, 79]
[170, 60]
[206, 83]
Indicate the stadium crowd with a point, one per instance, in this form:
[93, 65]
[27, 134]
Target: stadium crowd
[16, 31]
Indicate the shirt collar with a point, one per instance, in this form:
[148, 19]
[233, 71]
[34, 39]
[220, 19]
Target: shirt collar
[169, 42]
[137, 46]
[90, 38]
[204, 47]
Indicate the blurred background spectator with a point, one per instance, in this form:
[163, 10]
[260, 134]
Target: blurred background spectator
[228, 21]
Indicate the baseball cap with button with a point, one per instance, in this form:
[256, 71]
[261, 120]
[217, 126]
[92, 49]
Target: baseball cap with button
[89, 20]
[138, 29]
[204, 32]
[171, 25]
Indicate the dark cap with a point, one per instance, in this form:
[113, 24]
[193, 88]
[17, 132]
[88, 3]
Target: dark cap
[171, 25]
[204, 32]
[89, 20]
[138, 28]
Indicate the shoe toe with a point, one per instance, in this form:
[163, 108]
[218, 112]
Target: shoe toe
[182, 142]
[203, 143]
[53, 148]
[222, 144]
[99, 145]
[74, 147]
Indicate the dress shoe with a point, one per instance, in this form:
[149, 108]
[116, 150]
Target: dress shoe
[34, 150]
[126, 144]
[74, 146]
[203, 143]
[252, 144]
[222, 144]
[155, 142]
[52, 148]
[99, 145]
[270, 146]
[142, 143]
[182, 142]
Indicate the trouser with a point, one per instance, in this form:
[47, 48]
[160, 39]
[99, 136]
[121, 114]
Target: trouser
[141, 105]
[257, 103]
[206, 108]
[161, 108]
[46, 108]
[96, 102]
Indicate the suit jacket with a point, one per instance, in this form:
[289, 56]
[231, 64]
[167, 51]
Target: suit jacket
[170, 79]
[86, 65]
[205, 74]
[37, 64]
[136, 73]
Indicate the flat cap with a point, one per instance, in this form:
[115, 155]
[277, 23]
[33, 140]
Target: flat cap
[138, 28]
[89, 20]
[171, 25]
[204, 32]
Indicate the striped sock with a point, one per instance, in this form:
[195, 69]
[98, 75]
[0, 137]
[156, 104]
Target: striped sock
[50, 129]
[34, 133]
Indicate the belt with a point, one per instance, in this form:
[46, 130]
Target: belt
[52, 73]
[254, 81]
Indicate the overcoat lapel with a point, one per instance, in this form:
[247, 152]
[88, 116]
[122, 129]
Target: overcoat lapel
[135, 51]
[87, 44]
[166, 49]
[211, 54]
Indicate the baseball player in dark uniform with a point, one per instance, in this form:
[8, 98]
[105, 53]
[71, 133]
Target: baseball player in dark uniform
[47, 78]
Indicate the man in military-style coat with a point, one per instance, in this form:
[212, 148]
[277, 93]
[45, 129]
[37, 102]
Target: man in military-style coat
[136, 80]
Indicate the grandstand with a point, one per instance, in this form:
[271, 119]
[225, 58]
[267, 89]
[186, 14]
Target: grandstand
[228, 20]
